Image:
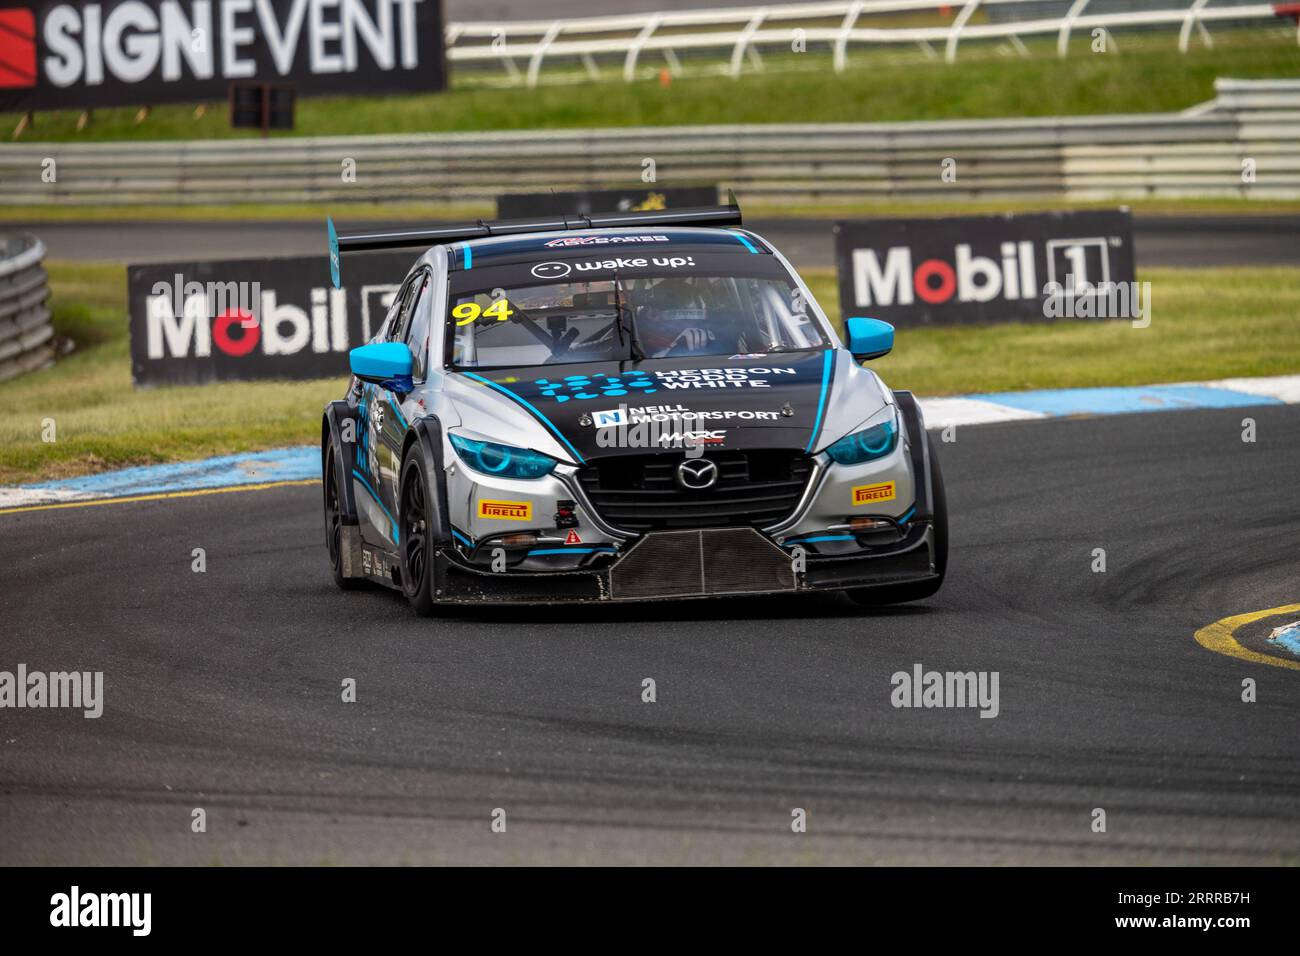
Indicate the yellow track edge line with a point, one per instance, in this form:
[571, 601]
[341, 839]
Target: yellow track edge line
[160, 496]
[1218, 637]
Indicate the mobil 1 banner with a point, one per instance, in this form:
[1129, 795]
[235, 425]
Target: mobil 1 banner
[57, 55]
[1038, 266]
[587, 202]
[255, 318]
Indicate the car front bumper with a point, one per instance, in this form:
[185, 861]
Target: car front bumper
[680, 565]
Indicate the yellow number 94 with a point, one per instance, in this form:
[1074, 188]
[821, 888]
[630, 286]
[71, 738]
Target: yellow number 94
[468, 312]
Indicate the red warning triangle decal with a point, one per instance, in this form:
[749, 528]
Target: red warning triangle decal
[573, 538]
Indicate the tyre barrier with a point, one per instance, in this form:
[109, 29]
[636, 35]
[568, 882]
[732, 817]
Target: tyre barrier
[26, 334]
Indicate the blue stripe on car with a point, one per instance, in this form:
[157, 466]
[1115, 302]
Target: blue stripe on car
[744, 241]
[528, 405]
[365, 484]
[821, 399]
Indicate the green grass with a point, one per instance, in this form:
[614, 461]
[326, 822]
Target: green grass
[1206, 324]
[103, 422]
[1149, 75]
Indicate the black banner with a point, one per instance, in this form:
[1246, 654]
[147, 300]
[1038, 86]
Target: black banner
[996, 908]
[536, 205]
[1039, 266]
[256, 318]
[56, 55]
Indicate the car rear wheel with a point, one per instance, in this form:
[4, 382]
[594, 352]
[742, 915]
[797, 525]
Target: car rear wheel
[334, 522]
[416, 519]
[917, 590]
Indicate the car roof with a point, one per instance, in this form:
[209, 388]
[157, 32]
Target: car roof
[583, 242]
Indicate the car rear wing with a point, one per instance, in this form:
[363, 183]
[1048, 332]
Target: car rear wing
[728, 215]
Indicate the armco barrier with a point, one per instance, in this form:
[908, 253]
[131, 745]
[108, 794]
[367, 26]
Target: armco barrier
[1200, 152]
[26, 336]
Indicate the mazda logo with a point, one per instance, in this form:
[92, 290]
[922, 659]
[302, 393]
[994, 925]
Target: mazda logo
[696, 474]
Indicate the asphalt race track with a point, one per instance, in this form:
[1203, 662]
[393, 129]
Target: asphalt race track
[1158, 240]
[222, 689]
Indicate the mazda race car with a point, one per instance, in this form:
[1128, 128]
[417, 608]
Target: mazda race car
[617, 408]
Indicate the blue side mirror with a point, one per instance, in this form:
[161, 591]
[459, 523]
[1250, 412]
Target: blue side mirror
[387, 364]
[869, 338]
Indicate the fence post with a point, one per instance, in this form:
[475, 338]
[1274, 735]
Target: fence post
[950, 51]
[535, 61]
[842, 41]
[634, 51]
[742, 41]
[1063, 38]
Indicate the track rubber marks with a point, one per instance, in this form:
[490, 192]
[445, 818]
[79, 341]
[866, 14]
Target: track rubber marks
[1219, 637]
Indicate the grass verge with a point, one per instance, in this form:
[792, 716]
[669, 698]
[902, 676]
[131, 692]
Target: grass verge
[1206, 324]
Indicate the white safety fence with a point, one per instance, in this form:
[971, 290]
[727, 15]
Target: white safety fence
[1244, 143]
[737, 36]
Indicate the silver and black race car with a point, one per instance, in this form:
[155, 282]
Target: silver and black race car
[618, 408]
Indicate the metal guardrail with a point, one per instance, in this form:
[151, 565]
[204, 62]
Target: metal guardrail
[740, 34]
[26, 335]
[1201, 152]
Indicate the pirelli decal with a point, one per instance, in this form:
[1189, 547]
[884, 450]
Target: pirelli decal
[505, 510]
[871, 494]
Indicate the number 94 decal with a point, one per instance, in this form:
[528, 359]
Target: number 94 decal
[468, 312]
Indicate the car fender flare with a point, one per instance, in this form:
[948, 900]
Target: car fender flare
[344, 454]
[918, 451]
[427, 433]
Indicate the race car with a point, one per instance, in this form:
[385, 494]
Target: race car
[624, 407]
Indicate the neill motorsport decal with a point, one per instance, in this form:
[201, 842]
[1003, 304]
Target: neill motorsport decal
[676, 413]
[505, 510]
[872, 494]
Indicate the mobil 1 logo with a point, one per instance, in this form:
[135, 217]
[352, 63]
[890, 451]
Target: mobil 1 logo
[965, 269]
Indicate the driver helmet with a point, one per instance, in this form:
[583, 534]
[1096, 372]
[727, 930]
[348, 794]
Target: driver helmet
[670, 308]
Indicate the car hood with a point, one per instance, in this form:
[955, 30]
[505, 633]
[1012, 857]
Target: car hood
[606, 409]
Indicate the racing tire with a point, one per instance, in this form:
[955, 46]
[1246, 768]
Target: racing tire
[415, 517]
[334, 521]
[917, 590]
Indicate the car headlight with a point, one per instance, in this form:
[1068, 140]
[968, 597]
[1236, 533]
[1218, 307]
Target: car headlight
[502, 461]
[866, 445]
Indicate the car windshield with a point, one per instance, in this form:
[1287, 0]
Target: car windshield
[619, 317]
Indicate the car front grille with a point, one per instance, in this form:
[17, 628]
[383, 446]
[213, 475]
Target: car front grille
[640, 493]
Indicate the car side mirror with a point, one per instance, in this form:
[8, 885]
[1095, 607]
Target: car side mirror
[387, 364]
[869, 338]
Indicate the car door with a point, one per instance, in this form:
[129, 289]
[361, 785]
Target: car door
[412, 328]
[378, 459]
